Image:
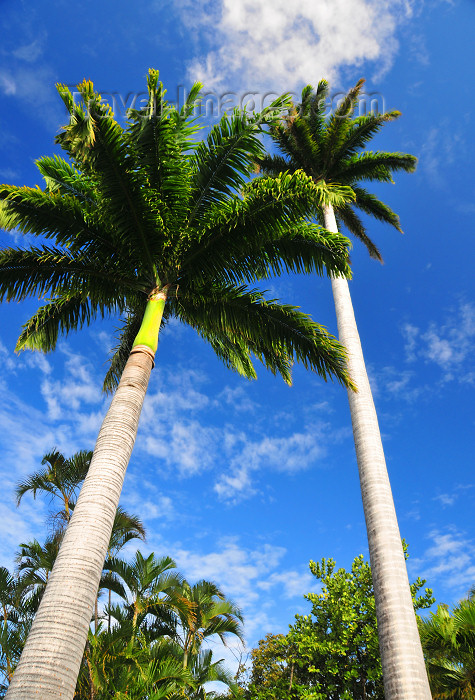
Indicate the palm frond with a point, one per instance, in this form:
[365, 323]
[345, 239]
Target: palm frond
[339, 124]
[370, 204]
[276, 334]
[60, 176]
[121, 181]
[362, 130]
[314, 108]
[242, 234]
[353, 223]
[160, 136]
[59, 317]
[54, 271]
[224, 160]
[374, 167]
[273, 165]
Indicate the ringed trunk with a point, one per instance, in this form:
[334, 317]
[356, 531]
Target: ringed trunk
[404, 672]
[50, 662]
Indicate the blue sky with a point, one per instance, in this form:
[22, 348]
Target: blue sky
[244, 483]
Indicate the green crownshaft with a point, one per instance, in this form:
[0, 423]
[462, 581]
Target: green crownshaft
[152, 318]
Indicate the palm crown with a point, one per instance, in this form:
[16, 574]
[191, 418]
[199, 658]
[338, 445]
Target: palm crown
[332, 151]
[144, 208]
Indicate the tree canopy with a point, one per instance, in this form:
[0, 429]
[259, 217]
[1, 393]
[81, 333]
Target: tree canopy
[333, 652]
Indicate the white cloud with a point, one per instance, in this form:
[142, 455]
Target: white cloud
[16, 526]
[30, 52]
[180, 443]
[146, 500]
[449, 498]
[294, 583]
[282, 45]
[78, 387]
[6, 359]
[442, 146]
[446, 499]
[290, 453]
[410, 334]
[236, 569]
[391, 383]
[449, 345]
[37, 359]
[450, 560]
[238, 399]
[7, 83]
[34, 88]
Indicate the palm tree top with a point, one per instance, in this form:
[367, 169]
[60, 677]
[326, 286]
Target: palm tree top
[332, 150]
[60, 477]
[143, 208]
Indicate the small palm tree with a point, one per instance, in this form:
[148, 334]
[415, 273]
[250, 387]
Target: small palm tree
[122, 664]
[151, 593]
[332, 152]
[146, 223]
[126, 528]
[204, 669]
[16, 615]
[213, 614]
[35, 563]
[448, 639]
[60, 479]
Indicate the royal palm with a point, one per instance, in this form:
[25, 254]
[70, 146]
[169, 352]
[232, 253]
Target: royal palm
[144, 223]
[331, 151]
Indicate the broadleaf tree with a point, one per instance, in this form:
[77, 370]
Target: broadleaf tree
[143, 222]
[332, 653]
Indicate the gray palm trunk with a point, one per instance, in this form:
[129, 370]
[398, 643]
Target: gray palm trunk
[404, 671]
[50, 662]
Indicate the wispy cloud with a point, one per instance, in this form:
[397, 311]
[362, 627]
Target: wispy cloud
[32, 51]
[391, 383]
[449, 498]
[25, 73]
[449, 561]
[442, 146]
[450, 345]
[287, 453]
[294, 583]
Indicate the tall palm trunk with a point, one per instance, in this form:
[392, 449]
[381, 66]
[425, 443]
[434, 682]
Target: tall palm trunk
[404, 672]
[49, 665]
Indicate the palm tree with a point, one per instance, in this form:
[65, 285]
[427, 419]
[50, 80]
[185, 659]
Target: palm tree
[35, 563]
[121, 664]
[331, 151]
[205, 669]
[16, 611]
[150, 225]
[448, 640]
[60, 479]
[213, 614]
[126, 528]
[9, 598]
[151, 593]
